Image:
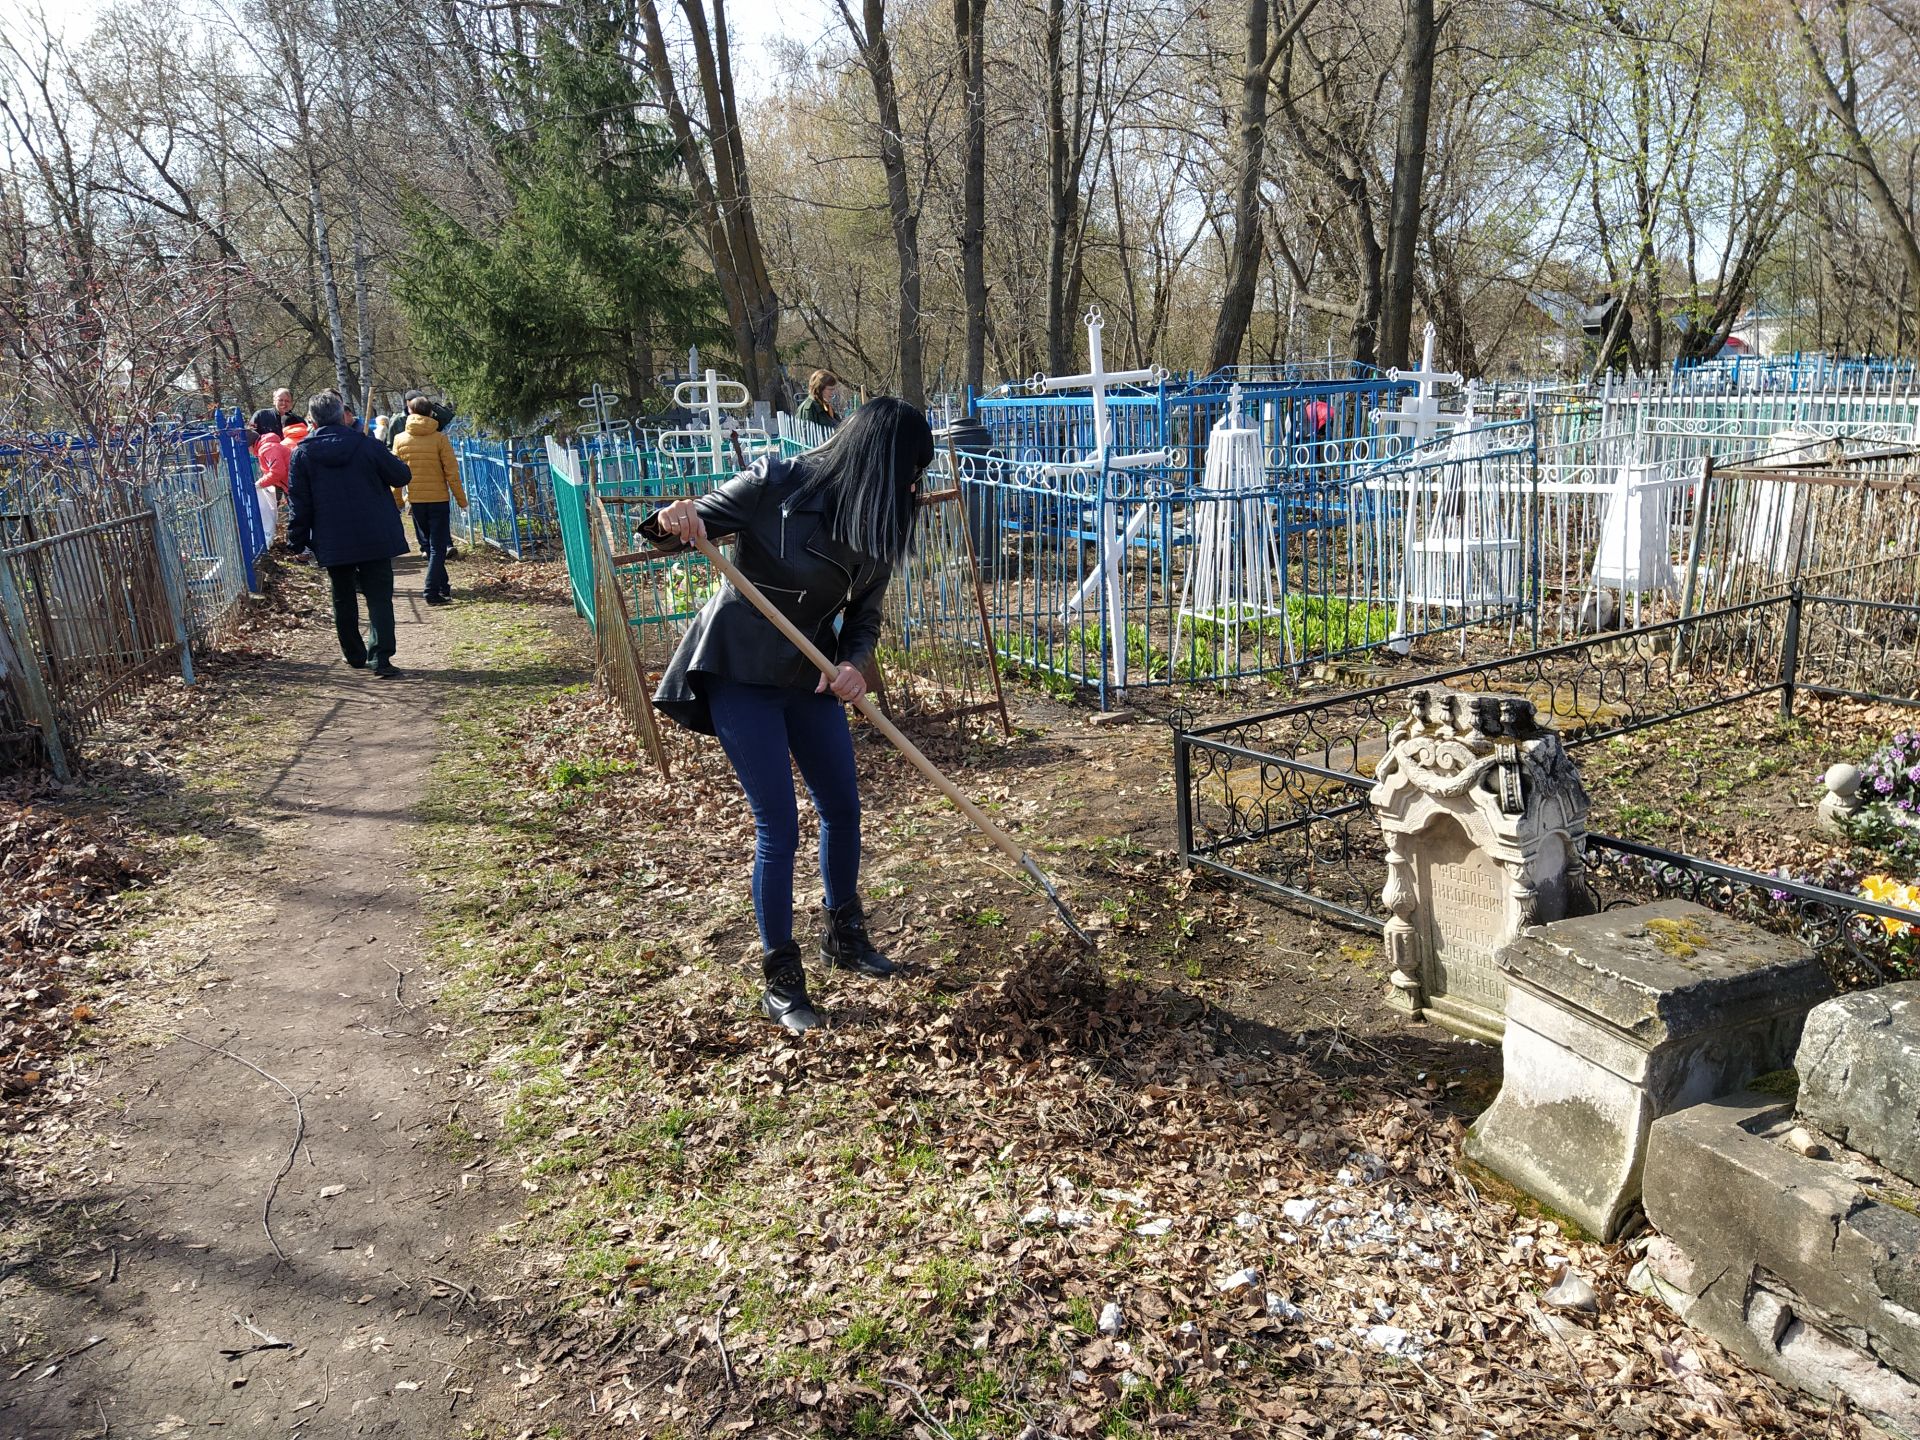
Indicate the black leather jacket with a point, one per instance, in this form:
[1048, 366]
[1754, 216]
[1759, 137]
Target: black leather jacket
[785, 548]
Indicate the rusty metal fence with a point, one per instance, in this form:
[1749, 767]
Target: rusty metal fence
[197, 505]
[94, 607]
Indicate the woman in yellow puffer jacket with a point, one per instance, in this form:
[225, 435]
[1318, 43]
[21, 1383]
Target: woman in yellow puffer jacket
[436, 476]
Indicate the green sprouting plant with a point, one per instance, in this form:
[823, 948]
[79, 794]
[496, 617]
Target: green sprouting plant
[687, 588]
[585, 775]
[1022, 658]
[1325, 625]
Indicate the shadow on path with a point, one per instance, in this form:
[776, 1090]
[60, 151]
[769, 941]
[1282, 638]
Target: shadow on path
[380, 1298]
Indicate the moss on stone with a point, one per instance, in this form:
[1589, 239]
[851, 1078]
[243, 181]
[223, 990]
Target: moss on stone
[1681, 939]
[1494, 1187]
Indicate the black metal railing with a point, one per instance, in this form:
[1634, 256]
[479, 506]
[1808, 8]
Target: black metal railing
[1277, 801]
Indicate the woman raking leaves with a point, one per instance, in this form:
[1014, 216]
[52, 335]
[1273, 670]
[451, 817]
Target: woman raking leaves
[820, 536]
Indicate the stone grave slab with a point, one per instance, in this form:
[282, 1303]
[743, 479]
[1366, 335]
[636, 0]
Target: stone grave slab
[1484, 820]
[1804, 1266]
[1859, 1067]
[1616, 1019]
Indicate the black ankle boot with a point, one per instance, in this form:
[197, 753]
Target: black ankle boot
[785, 1001]
[846, 944]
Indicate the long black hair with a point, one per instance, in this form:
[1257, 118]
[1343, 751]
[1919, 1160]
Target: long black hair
[868, 470]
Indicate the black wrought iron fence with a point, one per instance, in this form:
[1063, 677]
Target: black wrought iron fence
[1278, 801]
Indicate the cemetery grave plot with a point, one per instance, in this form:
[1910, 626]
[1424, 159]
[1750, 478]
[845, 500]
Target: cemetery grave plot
[1007, 1185]
[1740, 783]
[1700, 788]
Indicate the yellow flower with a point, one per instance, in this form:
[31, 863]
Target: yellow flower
[1888, 891]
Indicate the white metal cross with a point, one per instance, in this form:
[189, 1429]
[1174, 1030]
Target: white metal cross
[1419, 414]
[713, 395]
[1114, 539]
[601, 403]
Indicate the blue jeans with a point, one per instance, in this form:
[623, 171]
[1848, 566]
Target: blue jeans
[433, 523]
[760, 727]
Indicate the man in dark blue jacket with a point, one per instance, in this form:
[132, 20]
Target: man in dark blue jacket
[341, 484]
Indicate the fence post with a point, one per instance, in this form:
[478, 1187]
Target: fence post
[174, 582]
[1182, 801]
[13, 623]
[1790, 651]
[460, 517]
[1702, 511]
[1535, 581]
[513, 501]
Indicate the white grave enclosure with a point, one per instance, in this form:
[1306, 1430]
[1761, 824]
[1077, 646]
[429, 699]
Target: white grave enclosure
[1460, 536]
[1771, 512]
[1635, 553]
[1108, 575]
[1234, 570]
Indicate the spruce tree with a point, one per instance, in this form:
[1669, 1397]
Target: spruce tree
[585, 273]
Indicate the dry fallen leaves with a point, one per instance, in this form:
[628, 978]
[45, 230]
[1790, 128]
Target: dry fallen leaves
[934, 1200]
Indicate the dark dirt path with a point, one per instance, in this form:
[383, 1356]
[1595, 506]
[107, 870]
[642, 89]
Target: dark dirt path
[380, 1295]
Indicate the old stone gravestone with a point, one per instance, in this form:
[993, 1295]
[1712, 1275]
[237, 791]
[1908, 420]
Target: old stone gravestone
[1485, 822]
[1616, 1019]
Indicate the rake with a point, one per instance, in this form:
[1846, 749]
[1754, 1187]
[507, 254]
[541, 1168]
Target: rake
[1006, 844]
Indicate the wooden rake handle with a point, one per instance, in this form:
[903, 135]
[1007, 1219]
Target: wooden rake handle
[1004, 842]
[864, 704]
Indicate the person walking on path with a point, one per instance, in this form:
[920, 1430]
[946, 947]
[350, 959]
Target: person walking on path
[274, 455]
[820, 534]
[429, 456]
[817, 408]
[342, 485]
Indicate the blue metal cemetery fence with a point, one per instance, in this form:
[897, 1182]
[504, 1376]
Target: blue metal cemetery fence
[210, 531]
[1745, 374]
[1309, 428]
[1307, 423]
[510, 495]
[56, 474]
[1536, 509]
[1145, 578]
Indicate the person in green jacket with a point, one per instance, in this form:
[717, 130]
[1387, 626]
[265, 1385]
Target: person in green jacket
[817, 408]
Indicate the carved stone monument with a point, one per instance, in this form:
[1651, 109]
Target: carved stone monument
[1485, 823]
[1616, 1019]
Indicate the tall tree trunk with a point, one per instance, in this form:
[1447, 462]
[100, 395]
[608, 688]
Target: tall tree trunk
[1646, 207]
[361, 398]
[1250, 152]
[1840, 98]
[1409, 172]
[640, 368]
[362, 305]
[721, 197]
[1366, 317]
[870, 35]
[330, 287]
[1063, 193]
[969, 33]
